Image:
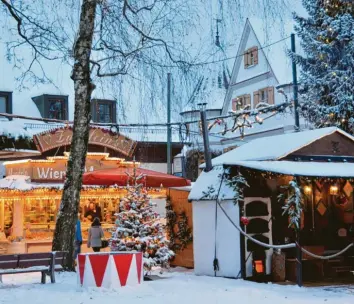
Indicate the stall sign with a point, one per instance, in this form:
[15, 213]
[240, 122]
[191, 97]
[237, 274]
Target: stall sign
[97, 136]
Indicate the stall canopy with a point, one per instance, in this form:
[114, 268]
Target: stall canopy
[119, 177]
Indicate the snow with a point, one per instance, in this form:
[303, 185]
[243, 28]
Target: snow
[176, 286]
[25, 128]
[13, 129]
[274, 147]
[208, 180]
[297, 168]
[23, 182]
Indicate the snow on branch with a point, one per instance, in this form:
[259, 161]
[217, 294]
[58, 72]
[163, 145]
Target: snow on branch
[238, 183]
[293, 202]
[246, 117]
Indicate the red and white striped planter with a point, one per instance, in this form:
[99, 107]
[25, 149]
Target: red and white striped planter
[110, 269]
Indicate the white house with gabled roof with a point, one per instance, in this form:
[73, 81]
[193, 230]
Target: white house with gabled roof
[261, 73]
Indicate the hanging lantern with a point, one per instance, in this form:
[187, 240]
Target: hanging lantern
[258, 263]
[307, 190]
[333, 190]
[258, 267]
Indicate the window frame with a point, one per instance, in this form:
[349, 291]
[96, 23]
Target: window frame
[251, 57]
[8, 100]
[243, 100]
[265, 90]
[49, 99]
[95, 104]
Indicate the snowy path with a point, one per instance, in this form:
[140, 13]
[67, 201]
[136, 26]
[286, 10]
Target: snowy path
[177, 288]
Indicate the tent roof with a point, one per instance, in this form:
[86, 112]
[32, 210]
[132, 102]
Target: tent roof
[294, 168]
[298, 168]
[119, 177]
[274, 147]
[23, 182]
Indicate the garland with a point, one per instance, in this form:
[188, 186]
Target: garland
[238, 183]
[180, 240]
[292, 200]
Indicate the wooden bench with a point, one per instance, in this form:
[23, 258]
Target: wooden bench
[46, 263]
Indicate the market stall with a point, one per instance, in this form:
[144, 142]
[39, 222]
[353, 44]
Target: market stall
[28, 210]
[286, 192]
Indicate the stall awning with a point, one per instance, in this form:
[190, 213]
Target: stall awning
[119, 177]
[212, 180]
[298, 168]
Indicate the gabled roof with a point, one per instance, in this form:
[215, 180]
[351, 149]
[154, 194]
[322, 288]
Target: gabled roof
[273, 43]
[275, 147]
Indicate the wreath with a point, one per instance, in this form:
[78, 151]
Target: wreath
[184, 235]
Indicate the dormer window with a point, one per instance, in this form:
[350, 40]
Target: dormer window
[251, 57]
[52, 106]
[57, 108]
[5, 102]
[103, 111]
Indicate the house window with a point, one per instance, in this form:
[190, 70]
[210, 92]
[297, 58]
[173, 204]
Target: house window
[240, 102]
[57, 108]
[265, 95]
[6, 102]
[52, 106]
[103, 111]
[251, 57]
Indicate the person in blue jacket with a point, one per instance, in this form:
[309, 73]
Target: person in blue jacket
[78, 237]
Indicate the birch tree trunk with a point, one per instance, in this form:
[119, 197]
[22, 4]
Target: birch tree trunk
[64, 234]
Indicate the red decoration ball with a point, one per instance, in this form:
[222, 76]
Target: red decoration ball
[245, 221]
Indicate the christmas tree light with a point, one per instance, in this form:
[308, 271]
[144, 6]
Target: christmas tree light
[139, 227]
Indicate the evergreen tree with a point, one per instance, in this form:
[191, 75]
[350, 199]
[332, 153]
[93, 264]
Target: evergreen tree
[327, 69]
[139, 227]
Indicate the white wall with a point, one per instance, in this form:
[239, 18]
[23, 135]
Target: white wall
[249, 89]
[159, 167]
[255, 70]
[227, 239]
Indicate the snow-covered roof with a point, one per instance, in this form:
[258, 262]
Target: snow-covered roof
[274, 147]
[17, 128]
[211, 181]
[23, 182]
[14, 129]
[297, 168]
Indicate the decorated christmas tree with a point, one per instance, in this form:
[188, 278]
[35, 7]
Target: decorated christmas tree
[327, 69]
[139, 227]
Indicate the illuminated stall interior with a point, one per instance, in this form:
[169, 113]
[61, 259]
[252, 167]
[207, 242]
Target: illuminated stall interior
[29, 205]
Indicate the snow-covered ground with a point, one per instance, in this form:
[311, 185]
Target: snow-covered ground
[176, 287]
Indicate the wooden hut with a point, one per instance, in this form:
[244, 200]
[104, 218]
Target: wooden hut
[182, 213]
[320, 162]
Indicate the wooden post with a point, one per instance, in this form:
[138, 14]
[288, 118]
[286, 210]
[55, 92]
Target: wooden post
[242, 243]
[2, 215]
[298, 262]
[298, 249]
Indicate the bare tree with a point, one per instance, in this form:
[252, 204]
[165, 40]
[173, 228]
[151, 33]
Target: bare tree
[100, 39]
[110, 38]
